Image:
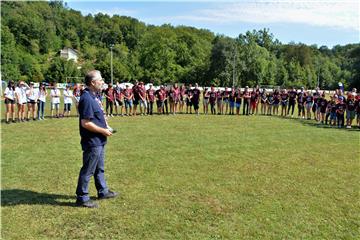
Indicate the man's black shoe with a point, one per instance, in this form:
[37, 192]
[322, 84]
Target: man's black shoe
[87, 204]
[109, 194]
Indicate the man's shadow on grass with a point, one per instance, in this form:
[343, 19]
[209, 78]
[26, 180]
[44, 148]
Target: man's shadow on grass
[13, 197]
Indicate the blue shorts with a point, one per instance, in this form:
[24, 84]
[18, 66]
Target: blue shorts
[308, 105]
[237, 105]
[332, 116]
[128, 103]
[232, 104]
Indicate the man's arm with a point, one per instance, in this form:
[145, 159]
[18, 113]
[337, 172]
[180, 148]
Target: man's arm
[87, 124]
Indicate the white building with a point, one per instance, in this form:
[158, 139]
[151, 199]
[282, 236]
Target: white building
[69, 53]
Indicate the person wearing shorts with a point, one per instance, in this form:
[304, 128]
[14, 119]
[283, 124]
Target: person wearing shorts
[188, 99]
[350, 110]
[77, 93]
[118, 99]
[238, 100]
[308, 104]
[206, 101]
[323, 104]
[160, 95]
[128, 100]
[20, 93]
[316, 107]
[232, 95]
[182, 92]
[225, 96]
[32, 97]
[270, 102]
[55, 100]
[253, 101]
[340, 112]
[142, 98]
[357, 105]
[9, 96]
[68, 95]
[276, 103]
[219, 101]
[136, 97]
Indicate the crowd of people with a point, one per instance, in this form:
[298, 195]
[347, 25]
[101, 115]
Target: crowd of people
[338, 109]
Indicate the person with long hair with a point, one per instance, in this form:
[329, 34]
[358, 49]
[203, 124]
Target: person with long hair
[142, 99]
[206, 101]
[238, 100]
[118, 99]
[20, 93]
[196, 98]
[176, 98]
[276, 102]
[160, 95]
[357, 105]
[350, 109]
[188, 99]
[270, 103]
[172, 100]
[77, 93]
[182, 98]
[246, 105]
[301, 101]
[309, 99]
[9, 96]
[263, 101]
[284, 102]
[32, 97]
[212, 100]
[316, 107]
[219, 101]
[340, 112]
[109, 95]
[41, 101]
[323, 104]
[253, 101]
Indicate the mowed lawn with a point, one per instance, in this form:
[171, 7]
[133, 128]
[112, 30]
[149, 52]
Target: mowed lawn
[185, 177]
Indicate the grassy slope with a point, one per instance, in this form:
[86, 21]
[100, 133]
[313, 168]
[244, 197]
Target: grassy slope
[205, 177]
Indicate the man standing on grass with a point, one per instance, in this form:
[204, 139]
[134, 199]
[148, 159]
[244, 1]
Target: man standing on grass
[94, 132]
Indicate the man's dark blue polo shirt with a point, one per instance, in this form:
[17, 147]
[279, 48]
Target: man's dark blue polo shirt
[90, 108]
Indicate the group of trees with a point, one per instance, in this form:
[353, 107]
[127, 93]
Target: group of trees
[34, 32]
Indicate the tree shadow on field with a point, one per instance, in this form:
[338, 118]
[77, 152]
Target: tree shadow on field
[13, 197]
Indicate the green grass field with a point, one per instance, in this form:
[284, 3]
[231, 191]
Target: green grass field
[185, 177]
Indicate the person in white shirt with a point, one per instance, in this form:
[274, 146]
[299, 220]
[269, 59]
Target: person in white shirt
[32, 97]
[41, 101]
[9, 95]
[55, 100]
[20, 93]
[68, 95]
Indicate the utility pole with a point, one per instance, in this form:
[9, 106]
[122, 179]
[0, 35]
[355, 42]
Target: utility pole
[111, 63]
[234, 66]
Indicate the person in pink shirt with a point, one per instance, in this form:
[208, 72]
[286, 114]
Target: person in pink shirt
[150, 97]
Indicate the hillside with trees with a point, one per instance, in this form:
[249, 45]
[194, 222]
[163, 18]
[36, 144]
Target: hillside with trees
[33, 33]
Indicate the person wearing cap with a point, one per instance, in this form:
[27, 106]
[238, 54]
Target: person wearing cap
[68, 95]
[9, 96]
[32, 97]
[350, 109]
[55, 100]
[41, 101]
[94, 132]
[20, 93]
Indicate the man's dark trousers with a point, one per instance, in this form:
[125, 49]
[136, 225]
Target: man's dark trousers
[93, 165]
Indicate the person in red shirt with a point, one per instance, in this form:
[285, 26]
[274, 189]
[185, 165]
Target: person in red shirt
[136, 97]
[160, 95]
[323, 104]
[246, 96]
[206, 101]
[109, 95]
[257, 91]
[253, 101]
[263, 100]
[232, 94]
[340, 112]
[238, 100]
[212, 100]
[225, 96]
[357, 106]
[182, 91]
[128, 99]
[284, 102]
[172, 100]
[350, 109]
[188, 99]
[150, 97]
[142, 98]
[176, 97]
[219, 101]
[119, 98]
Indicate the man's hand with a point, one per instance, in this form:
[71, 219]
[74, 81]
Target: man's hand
[106, 132]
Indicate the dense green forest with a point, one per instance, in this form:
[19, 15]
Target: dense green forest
[32, 34]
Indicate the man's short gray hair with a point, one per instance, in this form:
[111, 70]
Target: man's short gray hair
[92, 75]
